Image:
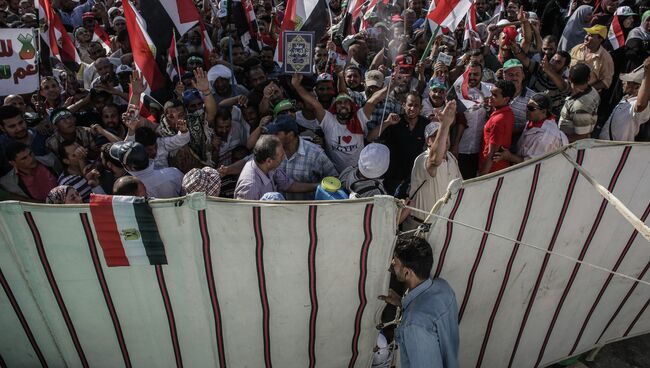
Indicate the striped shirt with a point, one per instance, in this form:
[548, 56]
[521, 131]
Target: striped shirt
[540, 82]
[519, 104]
[579, 113]
[77, 182]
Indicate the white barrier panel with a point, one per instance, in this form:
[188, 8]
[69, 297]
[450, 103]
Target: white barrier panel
[519, 306]
[295, 285]
[246, 285]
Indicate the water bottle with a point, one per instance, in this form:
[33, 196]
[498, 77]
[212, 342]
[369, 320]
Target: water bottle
[330, 190]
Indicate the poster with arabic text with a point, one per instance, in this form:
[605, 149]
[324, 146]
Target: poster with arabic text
[18, 69]
[298, 52]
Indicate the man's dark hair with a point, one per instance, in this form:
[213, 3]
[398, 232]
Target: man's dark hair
[13, 148]
[475, 64]
[145, 136]
[507, 88]
[8, 112]
[126, 185]
[62, 152]
[111, 105]
[414, 94]
[579, 74]
[353, 67]
[223, 113]
[550, 38]
[265, 148]
[566, 56]
[475, 52]
[415, 253]
[173, 103]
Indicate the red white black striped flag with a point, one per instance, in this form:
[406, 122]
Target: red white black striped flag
[127, 231]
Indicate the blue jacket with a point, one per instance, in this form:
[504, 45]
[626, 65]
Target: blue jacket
[428, 334]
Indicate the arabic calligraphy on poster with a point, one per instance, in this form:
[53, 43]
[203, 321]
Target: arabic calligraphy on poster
[298, 52]
[18, 71]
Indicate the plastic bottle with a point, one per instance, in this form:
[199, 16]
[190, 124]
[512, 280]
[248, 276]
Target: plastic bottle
[330, 190]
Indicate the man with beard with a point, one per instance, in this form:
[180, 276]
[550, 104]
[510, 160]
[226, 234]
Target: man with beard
[428, 333]
[592, 53]
[271, 68]
[220, 77]
[466, 140]
[49, 96]
[112, 121]
[14, 127]
[230, 132]
[404, 137]
[345, 131]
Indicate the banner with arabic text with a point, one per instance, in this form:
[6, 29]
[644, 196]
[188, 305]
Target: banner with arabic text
[18, 70]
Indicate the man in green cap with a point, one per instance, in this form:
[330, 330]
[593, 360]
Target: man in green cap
[592, 53]
[513, 71]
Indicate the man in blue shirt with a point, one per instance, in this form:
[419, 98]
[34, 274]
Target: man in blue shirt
[427, 336]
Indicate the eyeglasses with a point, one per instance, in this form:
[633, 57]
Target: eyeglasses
[533, 108]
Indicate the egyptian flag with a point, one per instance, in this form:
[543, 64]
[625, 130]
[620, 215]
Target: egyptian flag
[461, 87]
[471, 32]
[447, 13]
[126, 230]
[615, 34]
[172, 70]
[303, 15]
[143, 48]
[100, 35]
[56, 37]
[354, 10]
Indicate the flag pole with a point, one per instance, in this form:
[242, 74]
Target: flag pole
[178, 63]
[430, 44]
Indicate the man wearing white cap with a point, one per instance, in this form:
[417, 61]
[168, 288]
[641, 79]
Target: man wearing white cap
[364, 180]
[434, 168]
[220, 77]
[632, 111]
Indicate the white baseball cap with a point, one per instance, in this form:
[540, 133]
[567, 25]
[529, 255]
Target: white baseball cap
[374, 160]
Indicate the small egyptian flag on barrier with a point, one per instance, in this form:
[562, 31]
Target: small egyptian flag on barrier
[126, 230]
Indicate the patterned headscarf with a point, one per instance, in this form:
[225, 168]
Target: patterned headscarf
[57, 194]
[205, 180]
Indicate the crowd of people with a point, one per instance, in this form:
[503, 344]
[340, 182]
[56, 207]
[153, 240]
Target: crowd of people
[397, 106]
[391, 109]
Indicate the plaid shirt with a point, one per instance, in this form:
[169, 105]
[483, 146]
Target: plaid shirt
[392, 105]
[308, 165]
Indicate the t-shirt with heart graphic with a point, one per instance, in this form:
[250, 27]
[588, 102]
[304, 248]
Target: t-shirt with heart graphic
[342, 146]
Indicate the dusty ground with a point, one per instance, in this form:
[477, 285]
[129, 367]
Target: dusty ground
[631, 353]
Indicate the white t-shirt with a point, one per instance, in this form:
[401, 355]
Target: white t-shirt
[536, 142]
[625, 122]
[342, 146]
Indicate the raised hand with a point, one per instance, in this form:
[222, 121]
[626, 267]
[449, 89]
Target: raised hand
[201, 82]
[137, 83]
[448, 115]
[392, 119]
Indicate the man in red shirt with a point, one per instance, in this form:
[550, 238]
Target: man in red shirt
[29, 178]
[497, 132]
